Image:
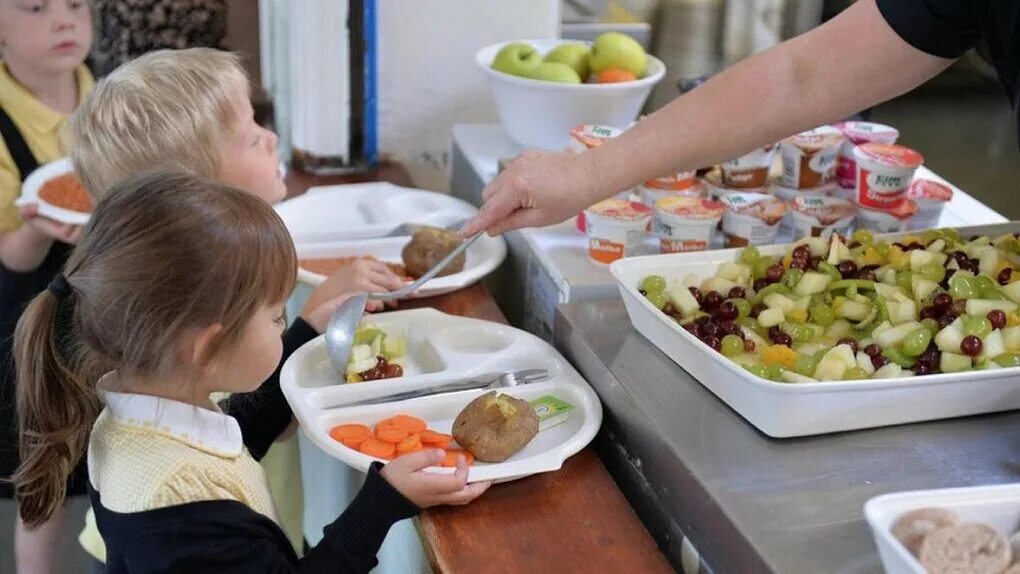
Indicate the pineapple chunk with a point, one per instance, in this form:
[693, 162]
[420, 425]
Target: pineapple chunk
[838, 252]
[779, 355]
[923, 288]
[1011, 338]
[813, 283]
[954, 362]
[919, 258]
[771, 317]
[843, 353]
[890, 371]
[864, 362]
[989, 262]
[680, 296]
[1012, 291]
[779, 301]
[901, 312]
[948, 340]
[830, 369]
[994, 345]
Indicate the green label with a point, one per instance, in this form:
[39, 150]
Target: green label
[548, 406]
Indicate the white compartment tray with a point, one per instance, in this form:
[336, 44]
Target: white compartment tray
[997, 506]
[790, 410]
[444, 348]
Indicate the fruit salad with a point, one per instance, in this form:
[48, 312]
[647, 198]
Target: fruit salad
[376, 354]
[857, 308]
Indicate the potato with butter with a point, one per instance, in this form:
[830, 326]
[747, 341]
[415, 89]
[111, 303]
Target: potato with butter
[494, 427]
[428, 246]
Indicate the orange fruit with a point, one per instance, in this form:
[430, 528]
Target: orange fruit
[614, 75]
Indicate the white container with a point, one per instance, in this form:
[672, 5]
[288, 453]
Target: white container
[541, 114]
[885, 220]
[931, 197]
[616, 229]
[857, 133]
[444, 348]
[788, 194]
[884, 172]
[686, 223]
[809, 158]
[751, 218]
[34, 182]
[683, 184]
[789, 410]
[750, 170]
[820, 216]
[586, 138]
[997, 506]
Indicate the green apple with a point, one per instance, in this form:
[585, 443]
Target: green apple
[518, 59]
[620, 51]
[574, 55]
[557, 72]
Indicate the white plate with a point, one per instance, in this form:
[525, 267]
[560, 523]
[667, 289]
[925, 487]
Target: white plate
[35, 181]
[482, 257]
[997, 506]
[788, 410]
[366, 210]
[444, 348]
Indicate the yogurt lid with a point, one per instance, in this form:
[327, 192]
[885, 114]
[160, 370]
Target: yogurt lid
[675, 182]
[714, 179]
[864, 132]
[827, 210]
[765, 207]
[818, 138]
[929, 190]
[903, 210]
[592, 136]
[690, 207]
[890, 154]
[620, 209]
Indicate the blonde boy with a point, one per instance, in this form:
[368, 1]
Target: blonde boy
[189, 110]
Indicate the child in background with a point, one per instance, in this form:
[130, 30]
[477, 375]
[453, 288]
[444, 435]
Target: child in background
[175, 292]
[189, 110]
[42, 80]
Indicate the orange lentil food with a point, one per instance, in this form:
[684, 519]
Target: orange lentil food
[65, 191]
[330, 265]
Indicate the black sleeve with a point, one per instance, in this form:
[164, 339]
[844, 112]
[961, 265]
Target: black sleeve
[264, 413]
[943, 28]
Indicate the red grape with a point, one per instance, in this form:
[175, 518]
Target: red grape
[727, 310]
[873, 350]
[997, 318]
[848, 341]
[971, 346]
[738, 293]
[1005, 275]
[942, 301]
[713, 342]
[848, 269]
[711, 300]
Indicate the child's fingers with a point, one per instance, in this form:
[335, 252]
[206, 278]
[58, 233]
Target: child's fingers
[467, 494]
[416, 461]
[373, 306]
[28, 210]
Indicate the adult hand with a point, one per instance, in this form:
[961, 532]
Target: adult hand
[425, 489]
[538, 188]
[50, 228]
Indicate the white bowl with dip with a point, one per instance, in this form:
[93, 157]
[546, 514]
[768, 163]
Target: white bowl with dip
[616, 229]
[686, 223]
[809, 158]
[883, 173]
[820, 216]
[857, 133]
[751, 218]
[930, 197]
[885, 220]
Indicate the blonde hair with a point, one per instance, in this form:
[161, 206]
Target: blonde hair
[168, 109]
[164, 254]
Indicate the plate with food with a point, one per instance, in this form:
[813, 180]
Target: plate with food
[824, 336]
[409, 257]
[56, 190]
[505, 433]
[972, 529]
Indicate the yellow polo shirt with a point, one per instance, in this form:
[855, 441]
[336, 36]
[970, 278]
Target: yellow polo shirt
[40, 125]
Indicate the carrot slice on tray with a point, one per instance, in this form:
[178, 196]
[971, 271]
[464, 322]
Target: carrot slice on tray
[391, 435]
[377, 448]
[408, 423]
[350, 432]
[431, 437]
[451, 457]
[410, 444]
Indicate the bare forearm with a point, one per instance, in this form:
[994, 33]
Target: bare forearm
[24, 248]
[848, 64]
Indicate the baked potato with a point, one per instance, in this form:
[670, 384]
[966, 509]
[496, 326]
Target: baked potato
[494, 427]
[427, 247]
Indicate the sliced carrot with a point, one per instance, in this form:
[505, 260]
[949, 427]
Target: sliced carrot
[352, 432]
[390, 434]
[409, 423]
[352, 443]
[377, 448]
[410, 444]
[432, 437]
[451, 457]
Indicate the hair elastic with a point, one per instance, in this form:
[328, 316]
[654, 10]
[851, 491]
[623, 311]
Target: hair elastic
[60, 288]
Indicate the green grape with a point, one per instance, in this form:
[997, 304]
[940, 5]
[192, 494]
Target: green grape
[962, 287]
[792, 277]
[653, 283]
[951, 236]
[774, 372]
[770, 289]
[752, 324]
[823, 315]
[932, 272]
[819, 354]
[916, 342]
[976, 325]
[743, 307]
[903, 280]
[1008, 360]
[761, 266]
[750, 255]
[994, 294]
[882, 247]
[805, 365]
[657, 298]
[863, 236]
[854, 374]
[732, 346]
[931, 235]
[799, 333]
[757, 370]
[931, 325]
[984, 284]
[830, 270]
[898, 357]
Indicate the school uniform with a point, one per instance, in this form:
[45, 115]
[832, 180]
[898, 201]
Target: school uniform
[30, 133]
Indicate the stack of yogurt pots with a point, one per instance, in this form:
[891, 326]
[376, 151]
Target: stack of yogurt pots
[750, 215]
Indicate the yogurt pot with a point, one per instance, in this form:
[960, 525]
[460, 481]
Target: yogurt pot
[716, 189]
[809, 158]
[890, 220]
[588, 137]
[820, 216]
[930, 197]
[750, 170]
[857, 133]
[788, 194]
[883, 173]
[616, 228]
[751, 218]
[686, 223]
[847, 193]
[681, 184]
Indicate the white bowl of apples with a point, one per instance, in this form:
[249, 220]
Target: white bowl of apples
[545, 88]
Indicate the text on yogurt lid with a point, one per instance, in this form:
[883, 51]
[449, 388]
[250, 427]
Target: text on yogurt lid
[929, 190]
[827, 210]
[891, 154]
[690, 207]
[760, 205]
[621, 209]
[864, 132]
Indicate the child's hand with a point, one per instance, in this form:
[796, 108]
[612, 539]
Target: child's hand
[49, 227]
[319, 317]
[427, 489]
[359, 276]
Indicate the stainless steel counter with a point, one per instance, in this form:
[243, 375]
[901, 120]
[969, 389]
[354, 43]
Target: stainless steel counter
[749, 503]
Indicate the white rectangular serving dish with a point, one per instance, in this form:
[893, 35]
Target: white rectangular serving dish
[997, 506]
[789, 410]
